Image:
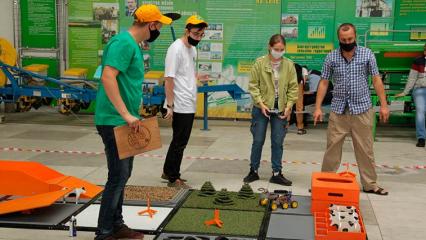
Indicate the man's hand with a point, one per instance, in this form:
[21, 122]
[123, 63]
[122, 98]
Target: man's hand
[317, 116]
[384, 114]
[133, 123]
[169, 114]
[265, 110]
[400, 95]
[203, 77]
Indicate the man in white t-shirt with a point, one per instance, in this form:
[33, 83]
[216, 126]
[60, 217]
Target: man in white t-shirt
[181, 95]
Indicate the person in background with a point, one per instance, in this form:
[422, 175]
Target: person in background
[131, 7]
[310, 95]
[351, 111]
[117, 103]
[302, 75]
[181, 95]
[273, 88]
[417, 82]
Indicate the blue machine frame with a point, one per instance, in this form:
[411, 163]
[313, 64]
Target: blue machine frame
[15, 89]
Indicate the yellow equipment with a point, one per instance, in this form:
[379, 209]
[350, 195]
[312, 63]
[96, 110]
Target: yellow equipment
[8, 56]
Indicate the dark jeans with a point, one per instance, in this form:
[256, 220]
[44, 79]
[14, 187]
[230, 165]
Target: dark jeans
[259, 125]
[309, 99]
[110, 214]
[182, 126]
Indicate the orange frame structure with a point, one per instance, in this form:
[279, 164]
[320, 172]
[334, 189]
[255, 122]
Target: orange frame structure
[37, 186]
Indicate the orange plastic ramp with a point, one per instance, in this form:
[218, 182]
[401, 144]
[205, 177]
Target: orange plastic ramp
[35, 201]
[32, 178]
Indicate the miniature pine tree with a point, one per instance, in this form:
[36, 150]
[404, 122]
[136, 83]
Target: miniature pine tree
[223, 198]
[246, 192]
[207, 190]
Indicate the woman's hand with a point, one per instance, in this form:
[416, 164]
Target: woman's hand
[286, 114]
[265, 110]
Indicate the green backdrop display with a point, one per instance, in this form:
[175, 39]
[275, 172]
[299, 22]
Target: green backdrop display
[38, 23]
[410, 15]
[157, 52]
[239, 31]
[309, 30]
[372, 16]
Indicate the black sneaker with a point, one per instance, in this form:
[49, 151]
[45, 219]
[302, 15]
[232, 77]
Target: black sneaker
[420, 142]
[280, 179]
[251, 177]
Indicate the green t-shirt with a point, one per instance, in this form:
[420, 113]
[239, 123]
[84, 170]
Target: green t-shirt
[122, 53]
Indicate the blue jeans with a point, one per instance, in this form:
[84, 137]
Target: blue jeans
[419, 95]
[110, 214]
[259, 124]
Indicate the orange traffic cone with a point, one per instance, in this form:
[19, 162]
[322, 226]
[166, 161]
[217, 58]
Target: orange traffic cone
[215, 221]
[148, 210]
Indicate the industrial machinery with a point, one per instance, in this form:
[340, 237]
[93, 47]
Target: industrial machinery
[394, 59]
[28, 89]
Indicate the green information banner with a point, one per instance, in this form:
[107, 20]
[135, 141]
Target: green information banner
[91, 24]
[309, 30]
[84, 47]
[38, 23]
[158, 49]
[370, 17]
[410, 15]
[238, 34]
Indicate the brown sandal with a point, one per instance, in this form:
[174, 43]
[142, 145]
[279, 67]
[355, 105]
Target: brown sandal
[301, 131]
[378, 191]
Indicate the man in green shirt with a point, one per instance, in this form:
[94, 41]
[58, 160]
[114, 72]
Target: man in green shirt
[117, 104]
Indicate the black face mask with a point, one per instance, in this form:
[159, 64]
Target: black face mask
[153, 34]
[192, 41]
[347, 47]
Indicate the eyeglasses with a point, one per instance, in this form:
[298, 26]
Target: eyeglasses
[198, 34]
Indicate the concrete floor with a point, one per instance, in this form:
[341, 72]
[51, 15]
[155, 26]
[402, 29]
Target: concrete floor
[227, 146]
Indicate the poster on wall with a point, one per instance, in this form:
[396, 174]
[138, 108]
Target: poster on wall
[38, 23]
[309, 30]
[372, 18]
[91, 24]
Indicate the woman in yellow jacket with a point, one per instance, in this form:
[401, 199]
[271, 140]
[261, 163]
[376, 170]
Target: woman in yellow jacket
[273, 87]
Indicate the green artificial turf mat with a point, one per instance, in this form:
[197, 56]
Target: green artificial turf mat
[195, 201]
[237, 223]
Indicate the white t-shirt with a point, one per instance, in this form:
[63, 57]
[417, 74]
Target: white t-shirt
[180, 65]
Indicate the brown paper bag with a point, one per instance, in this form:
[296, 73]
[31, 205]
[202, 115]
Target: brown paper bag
[131, 144]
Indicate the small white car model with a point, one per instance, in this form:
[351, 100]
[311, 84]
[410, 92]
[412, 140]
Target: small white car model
[338, 217]
[348, 227]
[341, 208]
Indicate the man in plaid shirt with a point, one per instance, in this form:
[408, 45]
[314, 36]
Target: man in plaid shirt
[352, 114]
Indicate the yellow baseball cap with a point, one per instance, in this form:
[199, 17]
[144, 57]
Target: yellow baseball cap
[151, 13]
[196, 19]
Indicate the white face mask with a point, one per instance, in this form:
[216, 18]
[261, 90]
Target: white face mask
[276, 54]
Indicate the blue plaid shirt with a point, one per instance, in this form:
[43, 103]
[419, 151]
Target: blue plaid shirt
[350, 79]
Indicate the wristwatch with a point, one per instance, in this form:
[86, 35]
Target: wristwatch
[168, 106]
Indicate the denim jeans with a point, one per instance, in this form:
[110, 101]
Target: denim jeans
[419, 95]
[110, 213]
[259, 124]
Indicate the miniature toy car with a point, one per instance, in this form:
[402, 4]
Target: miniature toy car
[279, 198]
